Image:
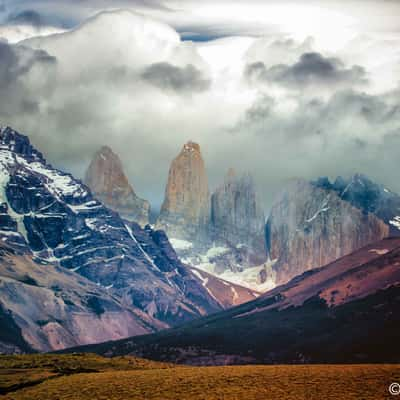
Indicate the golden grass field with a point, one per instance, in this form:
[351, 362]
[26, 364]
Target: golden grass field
[77, 377]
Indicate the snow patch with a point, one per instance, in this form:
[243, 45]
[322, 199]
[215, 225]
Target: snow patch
[5, 158]
[395, 222]
[91, 223]
[380, 252]
[57, 183]
[204, 282]
[324, 207]
[235, 294]
[216, 251]
[248, 277]
[179, 244]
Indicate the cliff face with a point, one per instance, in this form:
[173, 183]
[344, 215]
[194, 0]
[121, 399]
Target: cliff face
[309, 227]
[106, 179]
[368, 196]
[236, 216]
[185, 213]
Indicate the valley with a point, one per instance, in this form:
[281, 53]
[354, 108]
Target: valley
[199, 200]
[344, 312]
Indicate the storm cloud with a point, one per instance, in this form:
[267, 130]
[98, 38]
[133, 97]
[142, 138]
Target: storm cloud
[144, 91]
[310, 69]
[26, 17]
[25, 76]
[170, 77]
[15, 61]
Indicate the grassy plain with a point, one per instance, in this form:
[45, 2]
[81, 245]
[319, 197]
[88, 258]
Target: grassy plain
[90, 377]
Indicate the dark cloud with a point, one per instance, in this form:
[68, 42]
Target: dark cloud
[16, 61]
[349, 132]
[261, 110]
[169, 77]
[361, 116]
[26, 17]
[200, 35]
[21, 69]
[70, 108]
[311, 68]
[70, 13]
[8, 64]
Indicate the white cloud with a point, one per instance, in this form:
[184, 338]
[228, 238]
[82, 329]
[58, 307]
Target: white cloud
[15, 34]
[105, 87]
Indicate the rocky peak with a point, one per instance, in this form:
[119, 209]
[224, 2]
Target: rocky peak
[18, 144]
[230, 175]
[107, 180]
[236, 215]
[191, 147]
[186, 207]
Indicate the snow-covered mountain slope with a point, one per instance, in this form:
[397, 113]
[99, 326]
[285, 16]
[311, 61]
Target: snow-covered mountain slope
[228, 263]
[54, 217]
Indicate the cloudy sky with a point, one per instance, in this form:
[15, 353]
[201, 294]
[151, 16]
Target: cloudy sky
[281, 89]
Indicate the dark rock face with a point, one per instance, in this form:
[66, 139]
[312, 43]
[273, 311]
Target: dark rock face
[54, 217]
[106, 179]
[310, 226]
[367, 196]
[236, 217]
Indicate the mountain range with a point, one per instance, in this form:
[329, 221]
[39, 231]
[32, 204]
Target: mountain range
[219, 232]
[224, 231]
[50, 219]
[81, 264]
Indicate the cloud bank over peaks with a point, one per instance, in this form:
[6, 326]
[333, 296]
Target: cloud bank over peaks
[275, 106]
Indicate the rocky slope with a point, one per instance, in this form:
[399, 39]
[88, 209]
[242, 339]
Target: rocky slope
[345, 312]
[310, 226]
[52, 217]
[225, 292]
[49, 308]
[108, 183]
[185, 212]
